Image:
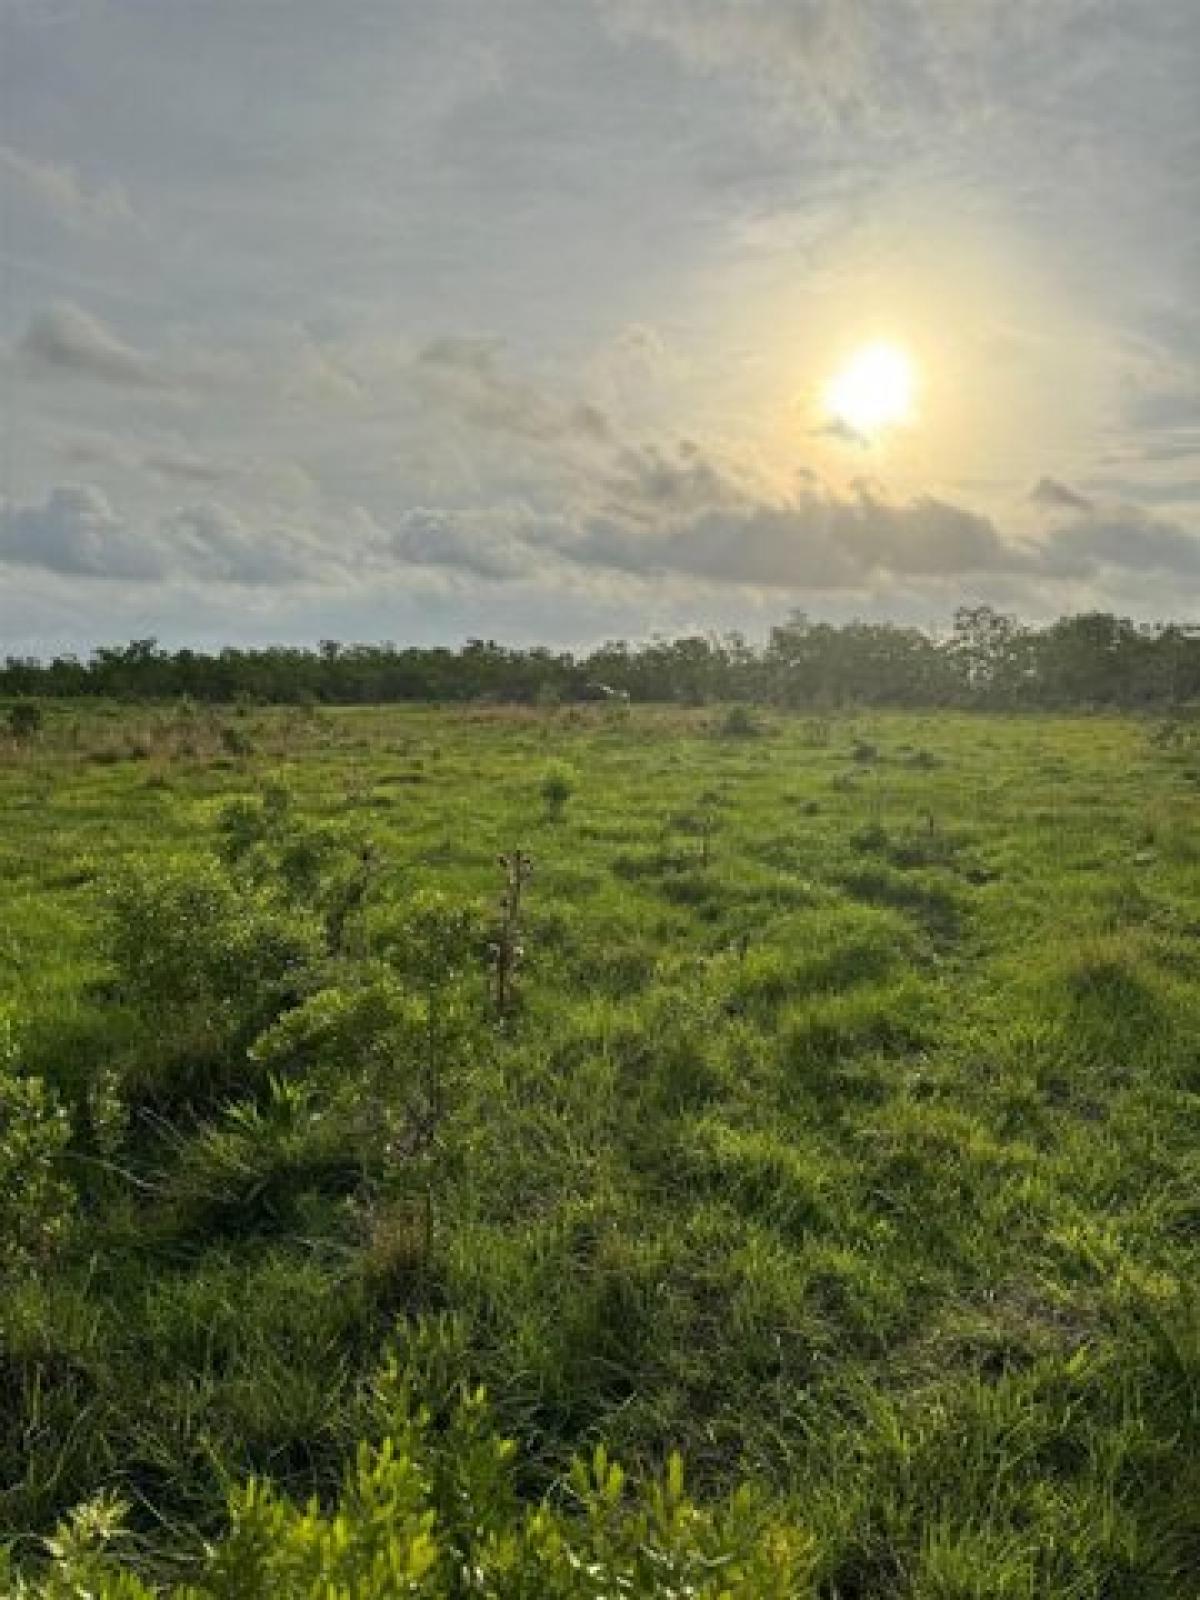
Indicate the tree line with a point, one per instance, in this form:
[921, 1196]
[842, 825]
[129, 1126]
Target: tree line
[986, 658]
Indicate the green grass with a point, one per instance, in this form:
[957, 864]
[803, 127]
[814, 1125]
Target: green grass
[844, 1135]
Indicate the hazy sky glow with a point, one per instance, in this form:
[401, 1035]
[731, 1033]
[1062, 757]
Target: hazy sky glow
[517, 317]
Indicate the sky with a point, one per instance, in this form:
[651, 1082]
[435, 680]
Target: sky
[519, 319]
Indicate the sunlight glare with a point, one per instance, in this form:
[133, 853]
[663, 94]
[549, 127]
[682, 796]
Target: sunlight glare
[874, 391]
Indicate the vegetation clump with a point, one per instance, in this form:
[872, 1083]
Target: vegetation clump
[556, 787]
[35, 1197]
[739, 722]
[437, 1512]
[25, 720]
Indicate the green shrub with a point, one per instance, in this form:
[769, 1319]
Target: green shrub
[262, 839]
[739, 722]
[35, 1200]
[245, 823]
[556, 787]
[205, 965]
[436, 1513]
[236, 741]
[25, 720]
[434, 940]
[393, 1056]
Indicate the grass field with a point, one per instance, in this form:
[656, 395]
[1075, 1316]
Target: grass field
[840, 1129]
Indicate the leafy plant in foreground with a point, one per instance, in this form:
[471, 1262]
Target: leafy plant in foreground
[35, 1200]
[434, 1512]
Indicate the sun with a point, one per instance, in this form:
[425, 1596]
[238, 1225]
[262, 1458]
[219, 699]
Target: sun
[874, 391]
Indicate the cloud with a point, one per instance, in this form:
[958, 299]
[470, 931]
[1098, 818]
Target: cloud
[686, 513]
[814, 541]
[650, 480]
[1180, 491]
[889, 65]
[165, 462]
[185, 468]
[866, 63]
[1183, 446]
[1090, 536]
[925, 537]
[97, 450]
[66, 341]
[839, 428]
[1058, 496]
[498, 544]
[466, 375]
[654, 511]
[76, 532]
[679, 519]
[825, 46]
[462, 353]
[642, 345]
[211, 542]
[59, 188]
[1125, 538]
[759, 545]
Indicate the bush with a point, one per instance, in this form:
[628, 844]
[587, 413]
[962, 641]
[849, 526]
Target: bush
[25, 720]
[431, 1513]
[205, 965]
[556, 788]
[391, 1060]
[245, 824]
[184, 939]
[350, 1038]
[739, 722]
[321, 868]
[35, 1202]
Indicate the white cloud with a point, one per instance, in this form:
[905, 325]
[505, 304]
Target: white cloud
[66, 341]
[467, 376]
[60, 189]
[76, 531]
[182, 467]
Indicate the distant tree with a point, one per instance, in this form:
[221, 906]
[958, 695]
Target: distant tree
[988, 656]
[988, 659]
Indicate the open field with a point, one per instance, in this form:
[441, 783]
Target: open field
[837, 1123]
